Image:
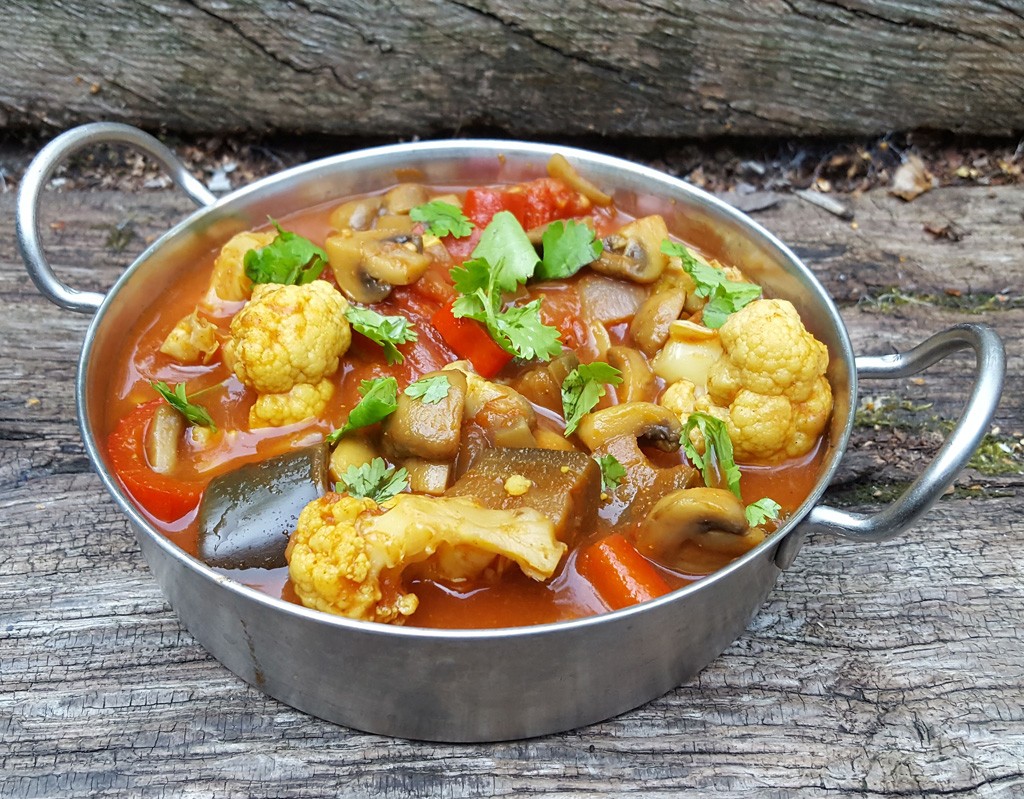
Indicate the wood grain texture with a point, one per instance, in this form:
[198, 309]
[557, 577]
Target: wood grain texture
[893, 670]
[667, 68]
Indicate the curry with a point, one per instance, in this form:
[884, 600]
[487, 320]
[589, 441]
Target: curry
[483, 407]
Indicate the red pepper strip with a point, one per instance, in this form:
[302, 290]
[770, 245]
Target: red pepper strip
[620, 574]
[164, 497]
[470, 339]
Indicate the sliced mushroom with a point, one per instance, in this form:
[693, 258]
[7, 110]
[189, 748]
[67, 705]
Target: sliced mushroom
[509, 419]
[162, 438]
[550, 439]
[367, 264]
[653, 424]
[356, 214]
[395, 224]
[404, 197]
[430, 431]
[634, 253]
[638, 383]
[651, 323]
[503, 415]
[712, 518]
[542, 385]
[350, 451]
[428, 477]
[345, 255]
[398, 260]
[618, 431]
[559, 167]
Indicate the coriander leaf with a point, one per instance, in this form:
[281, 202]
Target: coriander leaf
[728, 299]
[568, 247]
[442, 219]
[289, 259]
[505, 246]
[429, 390]
[471, 277]
[761, 511]
[502, 261]
[374, 480]
[177, 399]
[724, 296]
[582, 388]
[528, 337]
[717, 449]
[475, 306]
[384, 330]
[379, 400]
[612, 472]
[704, 275]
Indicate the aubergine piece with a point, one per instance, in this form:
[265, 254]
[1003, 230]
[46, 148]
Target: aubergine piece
[246, 516]
[563, 485]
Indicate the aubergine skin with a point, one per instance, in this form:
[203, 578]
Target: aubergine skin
[247, 515]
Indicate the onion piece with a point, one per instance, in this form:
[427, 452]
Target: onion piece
[607, 300]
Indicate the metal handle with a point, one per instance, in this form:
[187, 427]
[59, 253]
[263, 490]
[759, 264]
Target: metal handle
[955, 452]
[38, 174]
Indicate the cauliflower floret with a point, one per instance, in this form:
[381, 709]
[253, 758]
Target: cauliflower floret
[769, 351]
[680, 398]
[301, 402]
[192, 340]
[347, 554]
[284, 337]
[771, 381]
[229, 283]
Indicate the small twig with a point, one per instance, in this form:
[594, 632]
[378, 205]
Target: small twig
[825, 202]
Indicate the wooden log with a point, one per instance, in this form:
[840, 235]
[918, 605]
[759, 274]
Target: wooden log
[692, 68]
[890, 670]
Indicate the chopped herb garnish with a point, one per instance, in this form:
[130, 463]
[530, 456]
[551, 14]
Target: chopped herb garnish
[374, 480]
[502, 261]
[724, 296]
[384, 330]
[177, 399]
[568, 247]
[429, 390]
[379, 400]
[582, 388]
[442, 219]
[612, 472]
[717, 449]
[289, 259]
[765, 509]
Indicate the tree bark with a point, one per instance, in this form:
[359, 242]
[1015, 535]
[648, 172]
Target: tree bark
[541, 68]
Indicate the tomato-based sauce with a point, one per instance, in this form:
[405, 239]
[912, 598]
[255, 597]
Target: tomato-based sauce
[501, 595]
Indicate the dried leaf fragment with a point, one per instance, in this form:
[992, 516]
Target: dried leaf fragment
[911, 180]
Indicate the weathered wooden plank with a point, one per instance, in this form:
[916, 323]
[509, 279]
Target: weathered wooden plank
[877, 671]
[679, 68]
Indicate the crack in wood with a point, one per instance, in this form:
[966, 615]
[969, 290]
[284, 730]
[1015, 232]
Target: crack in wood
[535, 37]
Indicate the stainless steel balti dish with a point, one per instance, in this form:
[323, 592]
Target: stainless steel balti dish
[485, 684]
